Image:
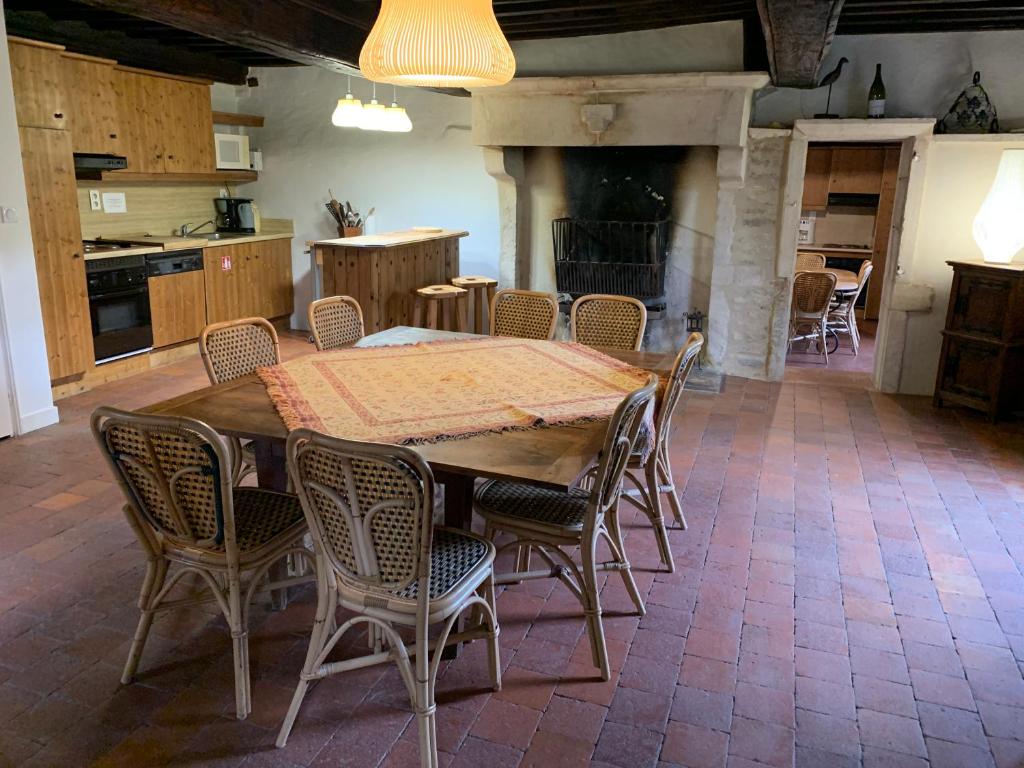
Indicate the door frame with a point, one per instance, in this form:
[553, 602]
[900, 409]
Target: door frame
[913, 134]
[8, 407]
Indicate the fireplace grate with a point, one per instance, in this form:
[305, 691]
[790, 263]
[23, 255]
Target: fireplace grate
[619, 257]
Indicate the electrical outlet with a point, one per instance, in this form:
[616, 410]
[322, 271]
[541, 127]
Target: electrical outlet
[223, 192]
[94, 200]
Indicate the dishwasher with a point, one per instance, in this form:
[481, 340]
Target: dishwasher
[174, 262]
[176, 296]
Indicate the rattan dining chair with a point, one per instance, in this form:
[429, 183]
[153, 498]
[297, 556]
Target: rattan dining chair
[808, 262]
[841, 316]
[181, 503]
[812, 295]
[335, 322]
[552, 523]
[612, 322]
[523, 314]
[233, 349]
[370, 509]
[651, 478]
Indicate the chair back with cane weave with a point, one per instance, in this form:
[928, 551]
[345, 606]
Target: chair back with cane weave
[613, 322]
[336, 322]
[674, 386]
[175, 472]
[523, 314]
[237, 348]
[812, 292]
[369, 508]
[619, 442]
[808, 262]
[866, 268]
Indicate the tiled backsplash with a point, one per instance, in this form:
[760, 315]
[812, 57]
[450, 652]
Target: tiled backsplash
[845, 225]
[152, 209]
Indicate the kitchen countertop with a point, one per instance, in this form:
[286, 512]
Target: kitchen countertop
[156, 243]
[391, 239]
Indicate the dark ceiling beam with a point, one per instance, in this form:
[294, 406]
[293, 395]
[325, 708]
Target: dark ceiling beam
[131, 51]
[798, 34]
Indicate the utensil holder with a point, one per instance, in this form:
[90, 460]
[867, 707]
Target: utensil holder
[350, 231]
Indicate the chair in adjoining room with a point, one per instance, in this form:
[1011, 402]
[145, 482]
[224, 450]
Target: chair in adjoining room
[553, 524]
[176, 477]
[812, 295]
[523, 314]
[604, 320]
[233, 349]
[335, 322]
[841, 315]
[651, 476]
[809, 262]
[370, 512]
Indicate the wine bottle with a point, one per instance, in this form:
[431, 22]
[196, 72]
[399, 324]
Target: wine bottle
[876, 95]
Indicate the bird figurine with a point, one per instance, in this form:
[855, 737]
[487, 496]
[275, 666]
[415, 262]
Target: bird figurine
[829, 80]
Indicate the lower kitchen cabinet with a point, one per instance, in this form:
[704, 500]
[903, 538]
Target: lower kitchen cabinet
[178, 307]
[249, 280]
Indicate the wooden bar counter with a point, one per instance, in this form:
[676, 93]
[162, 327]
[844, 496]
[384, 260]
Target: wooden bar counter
[382, 271]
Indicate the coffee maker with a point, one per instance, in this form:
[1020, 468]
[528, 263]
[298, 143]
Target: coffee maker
[235, 214]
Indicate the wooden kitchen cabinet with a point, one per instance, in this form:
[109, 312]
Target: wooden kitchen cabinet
[856, 170]
[258, 283]
[178, 307]
[139, 115]
[816, 178]
[222, 272]
[57, 241]
[37, 75]
[92, 115]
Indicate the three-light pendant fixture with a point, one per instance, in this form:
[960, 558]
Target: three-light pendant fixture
[372, 116]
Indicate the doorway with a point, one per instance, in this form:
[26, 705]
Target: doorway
[846, 220]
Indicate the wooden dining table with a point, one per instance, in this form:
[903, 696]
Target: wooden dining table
[554, 457]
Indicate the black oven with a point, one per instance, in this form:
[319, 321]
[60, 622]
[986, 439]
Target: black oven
[119, 306]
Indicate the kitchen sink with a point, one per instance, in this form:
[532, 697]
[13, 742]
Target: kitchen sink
[220, 235]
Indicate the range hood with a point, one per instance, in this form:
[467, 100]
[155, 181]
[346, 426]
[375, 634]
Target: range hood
[839, 199]
[90, 166]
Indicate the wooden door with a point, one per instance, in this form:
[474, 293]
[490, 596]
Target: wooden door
[187, 127]
[178, 307]
[883, 231]
[223, 273]
[57, 241]
[92, 104]
[856, 170]
[36, 73]
[816, 178]
[140, 111]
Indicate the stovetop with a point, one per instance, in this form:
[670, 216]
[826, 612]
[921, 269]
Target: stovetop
[105, 246]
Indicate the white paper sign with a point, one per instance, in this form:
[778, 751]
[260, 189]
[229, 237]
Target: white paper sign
[114, 202]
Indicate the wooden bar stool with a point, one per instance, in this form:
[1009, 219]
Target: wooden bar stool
[445, 308]
[481, 290]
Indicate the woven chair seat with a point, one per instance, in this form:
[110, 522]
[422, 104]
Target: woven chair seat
[262, 516]
[530, 506]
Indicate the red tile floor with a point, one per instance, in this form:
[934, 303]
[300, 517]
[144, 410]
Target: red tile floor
[803, 355]
[849, 592]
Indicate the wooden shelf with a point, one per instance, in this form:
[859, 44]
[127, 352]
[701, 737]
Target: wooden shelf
[233, 118]
[217, 177]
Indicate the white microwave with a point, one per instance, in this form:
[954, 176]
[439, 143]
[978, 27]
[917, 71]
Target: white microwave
[232, 151]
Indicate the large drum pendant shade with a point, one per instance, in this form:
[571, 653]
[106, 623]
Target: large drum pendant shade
[437, 44]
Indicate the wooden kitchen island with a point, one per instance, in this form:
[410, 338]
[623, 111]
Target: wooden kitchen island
[382, 271]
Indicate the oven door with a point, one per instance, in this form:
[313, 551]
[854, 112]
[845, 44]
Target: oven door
[121, 323]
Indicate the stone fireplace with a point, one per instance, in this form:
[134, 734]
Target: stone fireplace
[633, 148]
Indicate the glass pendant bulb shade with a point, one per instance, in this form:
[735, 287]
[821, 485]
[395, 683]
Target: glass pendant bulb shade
[396, 120]
[999, 225]
[373, 116]
[348, 113]
[437, 44]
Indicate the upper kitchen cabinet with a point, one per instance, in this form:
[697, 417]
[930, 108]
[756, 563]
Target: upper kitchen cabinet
[856, 170]
[92, 104]
[166, 122]
[37, 74]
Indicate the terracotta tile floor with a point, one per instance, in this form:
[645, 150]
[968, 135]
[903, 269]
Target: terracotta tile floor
[849, 592]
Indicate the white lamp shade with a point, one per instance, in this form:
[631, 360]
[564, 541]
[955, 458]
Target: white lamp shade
[999, 225]
[348, 113]
[373, 117]
[437, 44]
[396, 120]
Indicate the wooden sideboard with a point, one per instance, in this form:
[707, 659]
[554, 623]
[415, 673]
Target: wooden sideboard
[382, 271]
[982, 357]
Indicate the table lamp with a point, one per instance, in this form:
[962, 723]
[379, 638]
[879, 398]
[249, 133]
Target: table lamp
[999, 225]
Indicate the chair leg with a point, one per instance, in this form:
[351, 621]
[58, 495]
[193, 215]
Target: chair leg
[851, 322]
[432, 314]
[619, 553]
[240, 646]
[156, 573]
[655, 513]
[665, 471]
[824, 347]
[423, 701]
[493, 646]
[592, 607]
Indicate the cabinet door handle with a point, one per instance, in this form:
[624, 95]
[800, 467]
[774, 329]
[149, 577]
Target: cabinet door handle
[76, 255]
[59, 115]
[113, 135]
[170, 157]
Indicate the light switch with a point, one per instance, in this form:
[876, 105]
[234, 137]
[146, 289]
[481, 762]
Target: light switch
[94, 200]
[8, 215]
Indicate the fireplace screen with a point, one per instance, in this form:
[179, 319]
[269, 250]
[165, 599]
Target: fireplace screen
[619, 257]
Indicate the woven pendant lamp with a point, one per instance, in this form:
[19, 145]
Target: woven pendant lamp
[437, 44]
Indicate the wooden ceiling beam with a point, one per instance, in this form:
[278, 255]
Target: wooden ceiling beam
[798, 34]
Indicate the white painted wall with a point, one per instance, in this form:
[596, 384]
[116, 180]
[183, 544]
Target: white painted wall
[22, 344]
[432, 176]
[923, 73]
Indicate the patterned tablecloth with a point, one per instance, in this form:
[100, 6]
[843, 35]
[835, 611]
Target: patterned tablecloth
[441, 390]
